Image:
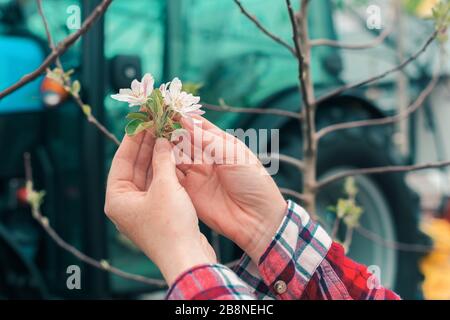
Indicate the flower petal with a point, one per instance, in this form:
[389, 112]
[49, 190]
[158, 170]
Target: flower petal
[191, 108]
[125, 91]
[147, 84]
[121, 97]
[136, 86]
[189, 99]
[175, 86]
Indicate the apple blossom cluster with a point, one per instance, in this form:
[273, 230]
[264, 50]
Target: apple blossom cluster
[160, 108]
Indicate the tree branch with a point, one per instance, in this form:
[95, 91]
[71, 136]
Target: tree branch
[68, 83]
[284, 158]
[382, 75]
[408, 247]
[60, 49]
[103, 264]
[270, 111]
[90, 118]
[300, 35]
[258, 24]
[51, 44]
[379, 170]
[293, 193]
[337, 44]
[413, 107]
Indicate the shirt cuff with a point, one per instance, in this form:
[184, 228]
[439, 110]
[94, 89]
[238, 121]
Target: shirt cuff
[288, 264]
[209, 282]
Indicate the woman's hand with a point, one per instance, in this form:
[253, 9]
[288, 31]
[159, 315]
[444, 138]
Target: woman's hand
[237, 198]
[146, 202]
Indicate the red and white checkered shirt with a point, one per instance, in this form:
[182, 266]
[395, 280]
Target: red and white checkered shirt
[301, 262]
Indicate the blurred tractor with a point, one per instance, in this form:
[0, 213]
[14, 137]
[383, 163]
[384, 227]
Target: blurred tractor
[200, 41]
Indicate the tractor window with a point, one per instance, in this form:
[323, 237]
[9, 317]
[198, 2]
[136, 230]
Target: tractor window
[362, 23]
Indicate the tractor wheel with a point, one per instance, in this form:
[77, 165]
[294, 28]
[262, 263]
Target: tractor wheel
[391, 208]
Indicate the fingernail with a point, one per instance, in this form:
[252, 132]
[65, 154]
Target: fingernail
[162, 144]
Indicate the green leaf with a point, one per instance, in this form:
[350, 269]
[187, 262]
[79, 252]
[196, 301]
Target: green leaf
[156, 103]
[350, 187]
[56, 75]
[342, 208]
[176, 126]
[353, 216]
[87, 110]
[136, 126]
[138, 115]
[76, 87]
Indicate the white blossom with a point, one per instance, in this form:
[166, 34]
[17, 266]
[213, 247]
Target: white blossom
[139, 92]
[182, 102]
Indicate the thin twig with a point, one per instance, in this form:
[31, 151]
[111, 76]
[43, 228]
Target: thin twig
[408, 247]
[413, 107]
[337, 44]
[382, 75]
[68, 82]
[283, 158]
[269, 111]
[60, 49]
[292, 193]
[48, 33]
[379, 170]
[335, 229]
[102, 265]
[264, 30]
[90, 118]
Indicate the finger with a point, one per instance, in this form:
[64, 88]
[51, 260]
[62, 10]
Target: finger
[163, 163]
[144, 160]
[216, 145]
[201, 122]
[197, 138]
[122, 167]
[180, 175]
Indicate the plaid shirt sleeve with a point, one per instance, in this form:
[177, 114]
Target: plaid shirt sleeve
[302, 262]
[209, 282]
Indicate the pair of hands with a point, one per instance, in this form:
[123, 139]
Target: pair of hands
[156, 203]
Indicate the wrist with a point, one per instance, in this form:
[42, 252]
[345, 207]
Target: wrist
[265, 232]
[180, 260]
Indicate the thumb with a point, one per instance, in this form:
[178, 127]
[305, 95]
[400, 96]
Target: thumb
[163, 162]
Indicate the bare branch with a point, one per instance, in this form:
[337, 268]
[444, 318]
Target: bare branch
[60, 49]
[102, 265]
[68, 82]
[413, 107]
[258, 24]
[47, 32]
[337, 44]
[382, 75]
[300, 35]
[284, 158]
[379, 170]
[270, 111]
[108, 134]
[293, 193]
[408, 247]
